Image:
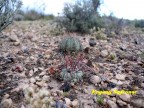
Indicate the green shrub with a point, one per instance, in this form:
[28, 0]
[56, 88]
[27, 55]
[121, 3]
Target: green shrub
[81, 16]
[8, 9]
[33, 15]
[139, 23]
[100, 100]
[49, 17]
[112, 25]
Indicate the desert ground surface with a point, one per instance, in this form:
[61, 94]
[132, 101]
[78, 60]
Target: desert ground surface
[29, 58]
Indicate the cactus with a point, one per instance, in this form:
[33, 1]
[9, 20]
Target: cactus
[70, 45]
[7, 10]
[71, 76]
[37, 98]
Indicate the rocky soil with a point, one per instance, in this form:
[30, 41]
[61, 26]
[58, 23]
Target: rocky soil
[29, 58]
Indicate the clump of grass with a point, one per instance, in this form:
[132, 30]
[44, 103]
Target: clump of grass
[98, 34]
[142, 55]
[33, 14]
[112, 56]
[100, 100]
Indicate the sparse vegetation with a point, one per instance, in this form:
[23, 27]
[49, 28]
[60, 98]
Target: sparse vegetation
[99, 34]
[139, 23]
[38, 69]
[100, 100]
[32, 15]
[81, 16]
[112, 25]
[142, 55]
[8, 9]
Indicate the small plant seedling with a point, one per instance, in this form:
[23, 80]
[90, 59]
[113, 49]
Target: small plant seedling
[100, 100]
[142, 55]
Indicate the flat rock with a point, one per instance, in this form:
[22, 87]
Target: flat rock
[104, 53]
[46, 78]
[125, 97]
[32, 80]
[112, 104]
[119, 83]
[95, 79]
[121, 103]
[13, 38]
[75, 103]
[114, 81]
[17, 43]
[137, 102]
[120, 77]
[68, 101]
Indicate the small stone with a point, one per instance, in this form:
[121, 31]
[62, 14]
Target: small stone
[85, 91]
[142, 85]
[119, 83]
[42, 73]
[53, 103]
[114, 99]
[6, 96]
[47, 56]
[13, 38]
[104, 53]
[123, 47]
[65, 87]
[121, 103]
[125, 97]
[32, 80]
[31, 73]
[34, 39]
[22, 106]
[25, 50]
[37, 78]
[68, 101]
[46, 78]
[95, 79]
[33, 86]
[120, 77]
[137, 102]
[40, 83]
[35, 69]
[129, 106]
[112, 104]
[60, 104]
[17, 43]
[6, 103]
[92, 42]
[75, 103]
[54, 94]
[113, 81]
[32, 58]
[59, 92]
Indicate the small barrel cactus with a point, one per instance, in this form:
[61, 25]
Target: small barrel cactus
[73, 76]
[70, 45]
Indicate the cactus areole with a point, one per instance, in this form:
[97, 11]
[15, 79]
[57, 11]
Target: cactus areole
[70, 45]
